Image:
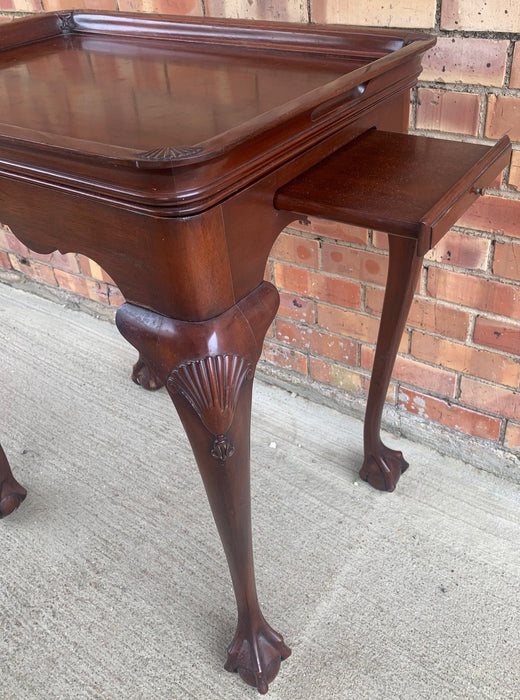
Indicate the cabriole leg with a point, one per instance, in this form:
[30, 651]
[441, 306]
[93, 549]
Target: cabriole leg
[11, 493]
[208, 369]
[382, 466]
[143, 375]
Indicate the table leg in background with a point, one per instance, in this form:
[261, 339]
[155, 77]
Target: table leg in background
[382, 466]
[11, 493]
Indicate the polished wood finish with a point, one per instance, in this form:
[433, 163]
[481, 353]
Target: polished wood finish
[176, 114]
[212, 395]
[413, 188]
[156, 146]
[11, 493]
[404, 185]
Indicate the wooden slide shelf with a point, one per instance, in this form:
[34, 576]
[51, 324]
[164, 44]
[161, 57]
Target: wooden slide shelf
[406, 185]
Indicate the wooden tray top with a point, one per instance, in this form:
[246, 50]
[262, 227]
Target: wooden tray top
[115, 103]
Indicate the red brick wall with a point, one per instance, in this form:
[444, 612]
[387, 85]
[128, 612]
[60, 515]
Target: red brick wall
[459, 361]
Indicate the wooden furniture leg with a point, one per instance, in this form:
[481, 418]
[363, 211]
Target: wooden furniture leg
[413, 188]
[143, 375]
[382, 466]
[11, 493]
[208, 369]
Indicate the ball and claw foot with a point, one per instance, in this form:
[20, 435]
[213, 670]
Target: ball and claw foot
[256, 655]
[145, 377]
[11, 495]
[383, 467]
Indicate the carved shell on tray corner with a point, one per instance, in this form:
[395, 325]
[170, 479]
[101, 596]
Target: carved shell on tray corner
[170, 152]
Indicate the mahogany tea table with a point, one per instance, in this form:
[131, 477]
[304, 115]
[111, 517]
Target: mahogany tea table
[173, 151]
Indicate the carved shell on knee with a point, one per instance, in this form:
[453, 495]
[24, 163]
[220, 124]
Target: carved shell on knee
[212, 387]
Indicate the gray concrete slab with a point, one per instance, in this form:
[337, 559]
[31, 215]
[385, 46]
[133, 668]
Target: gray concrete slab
[113, 584]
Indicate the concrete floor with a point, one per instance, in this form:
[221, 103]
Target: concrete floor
[113, 582]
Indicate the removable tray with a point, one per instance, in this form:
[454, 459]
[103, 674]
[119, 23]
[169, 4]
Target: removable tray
[401, 184]
[182, 112]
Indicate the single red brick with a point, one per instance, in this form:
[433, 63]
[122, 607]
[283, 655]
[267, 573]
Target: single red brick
[385, 13]
[466, 60]
[295, 334]
[493, 214]
[438, 318]
[423, 376]
[285, 357]
[338, 376]
[297, 307]
[501, 335]
[32, 268]
[53, 5]
[380, 240]
[316, 341]
[174, 7]
[289, 11]
[348, 323]
[514, 81]
[461, 250]
[491, 399]
[507, 260]
[354, 262]
[514, 172]
[441, 110]
[500, 15]
[450, 415]
[503, 117]
[333, 229]
[417, 374]
[466, 359]
[426, 314]
[296, 249]
[339, 349]
[333, 290]
[24, 5]
[475, 292]
[512, 437]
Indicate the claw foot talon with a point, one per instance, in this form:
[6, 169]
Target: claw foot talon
[383, 467]
[256, 656]
[11, 495]
[143, 375]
